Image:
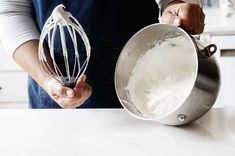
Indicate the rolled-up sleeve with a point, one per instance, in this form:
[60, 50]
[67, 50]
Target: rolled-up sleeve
[163, 3]
[16, 24]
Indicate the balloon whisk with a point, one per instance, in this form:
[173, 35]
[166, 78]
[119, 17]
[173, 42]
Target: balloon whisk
[67, 66]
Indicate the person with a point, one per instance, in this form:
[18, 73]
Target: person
[108, 24]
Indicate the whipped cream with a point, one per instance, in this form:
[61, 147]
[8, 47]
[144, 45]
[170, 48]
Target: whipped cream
[163, 77]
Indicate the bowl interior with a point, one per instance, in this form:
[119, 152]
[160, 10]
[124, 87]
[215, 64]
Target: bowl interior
[142, 41]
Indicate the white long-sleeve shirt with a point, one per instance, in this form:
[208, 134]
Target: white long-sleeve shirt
[17, 25]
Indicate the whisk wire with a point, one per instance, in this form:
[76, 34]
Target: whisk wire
[70, 70]
[65, 52]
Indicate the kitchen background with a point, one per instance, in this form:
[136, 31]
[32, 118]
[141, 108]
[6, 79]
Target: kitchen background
[220, 30]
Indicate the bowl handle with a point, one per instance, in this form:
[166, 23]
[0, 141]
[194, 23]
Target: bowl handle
[203, 50]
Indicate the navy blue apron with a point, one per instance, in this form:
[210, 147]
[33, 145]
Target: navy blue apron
[109, 24]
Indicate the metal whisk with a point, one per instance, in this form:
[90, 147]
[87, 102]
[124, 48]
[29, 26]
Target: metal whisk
[64, 71]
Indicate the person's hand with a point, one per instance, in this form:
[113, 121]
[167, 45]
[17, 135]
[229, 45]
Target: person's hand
[188, 16]
[67, 97]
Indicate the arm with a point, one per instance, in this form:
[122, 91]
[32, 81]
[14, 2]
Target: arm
[17, 25]
[163, 3]
[19, 35]
[187, 14]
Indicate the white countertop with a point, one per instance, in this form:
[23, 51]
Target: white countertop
[112, 132]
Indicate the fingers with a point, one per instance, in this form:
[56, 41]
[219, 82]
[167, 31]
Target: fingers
[80, 84]
[63, 91]
[54, 88]
[192, 18]
[202, 22]
[186, 15]
[86, 93]
[82, 89]
[172, 19]
[67, 97]
[78, 99]
[67, 92]
[170, 16]
[188, 18]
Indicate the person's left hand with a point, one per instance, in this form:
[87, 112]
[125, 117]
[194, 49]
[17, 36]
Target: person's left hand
[65, 96]
[188, 16]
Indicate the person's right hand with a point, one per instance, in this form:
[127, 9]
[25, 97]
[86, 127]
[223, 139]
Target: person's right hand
[67, 97]
[188, 16]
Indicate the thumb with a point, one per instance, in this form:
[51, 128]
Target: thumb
[80, 84]
[176, 21]
[63, 91]
[171, 19]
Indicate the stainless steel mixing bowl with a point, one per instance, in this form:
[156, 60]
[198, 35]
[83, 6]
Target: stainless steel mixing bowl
[205, 88]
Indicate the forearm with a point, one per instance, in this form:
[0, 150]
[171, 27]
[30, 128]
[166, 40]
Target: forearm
[26, 56]
[19, 35]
